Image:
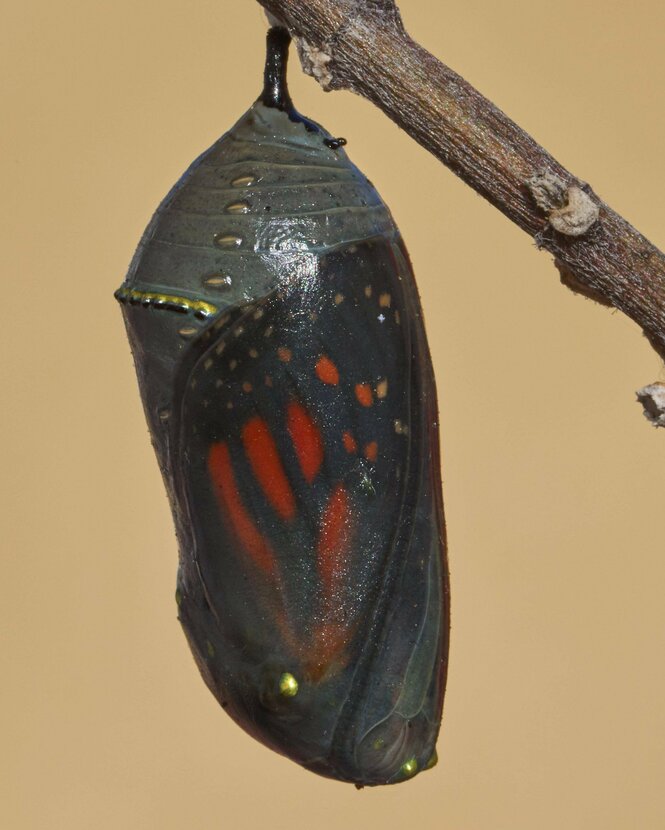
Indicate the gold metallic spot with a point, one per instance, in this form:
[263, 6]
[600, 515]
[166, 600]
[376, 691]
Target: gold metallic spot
[207, 363]
[247, 386]
[232, 364]
[258, 313]
[253, 353]
[239, 330]
[221, 347]
[433, 760]
[288, 685]
[237, 207]
[187, 331]
[160, 301]
[384, 300]
[210, 648]
[339, 298]
[368, 291]
[382, 388]
[397, 317]
[229, 405]
[243, 181]
[219, 383]
[269, 330]
[227, 240]
[409, 768]
[178, 597]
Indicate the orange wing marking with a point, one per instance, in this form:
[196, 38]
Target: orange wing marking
[371, 451]
[326, 371]
[364, 394]
[349, 442]
[221, 473]
[334, 541]
[334, 630]
[267, 467]
[306, 440]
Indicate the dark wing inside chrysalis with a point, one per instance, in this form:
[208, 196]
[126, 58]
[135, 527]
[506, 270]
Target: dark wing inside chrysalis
[305, 445]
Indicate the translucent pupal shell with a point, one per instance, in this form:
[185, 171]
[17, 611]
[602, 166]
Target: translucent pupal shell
[284, 369]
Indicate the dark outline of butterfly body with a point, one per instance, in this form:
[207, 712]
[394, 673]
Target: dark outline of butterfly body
[299, 445]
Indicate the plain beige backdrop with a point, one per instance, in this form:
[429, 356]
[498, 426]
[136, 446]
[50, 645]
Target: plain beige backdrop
[553, 479]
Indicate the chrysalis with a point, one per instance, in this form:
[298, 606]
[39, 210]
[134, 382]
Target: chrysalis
[286, 379]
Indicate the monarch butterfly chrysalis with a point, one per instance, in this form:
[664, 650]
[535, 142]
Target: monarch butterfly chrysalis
[286, 379]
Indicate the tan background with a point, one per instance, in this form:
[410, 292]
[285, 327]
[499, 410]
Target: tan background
[553, 480]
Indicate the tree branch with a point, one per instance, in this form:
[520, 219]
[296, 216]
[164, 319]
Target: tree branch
[361, 45]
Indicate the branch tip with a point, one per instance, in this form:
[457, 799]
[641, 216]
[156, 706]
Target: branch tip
[652, 398]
